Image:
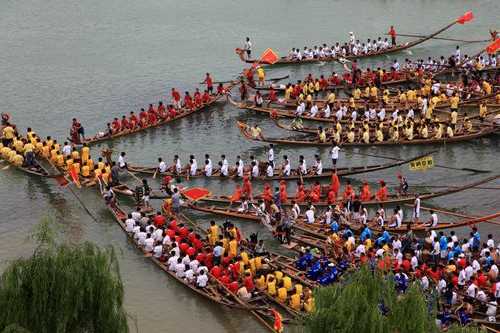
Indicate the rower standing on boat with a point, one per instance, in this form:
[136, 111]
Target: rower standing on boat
[334, 153]
[209, 82]
[247, 47]
[270, 155]
[392, 33]
[416, 208]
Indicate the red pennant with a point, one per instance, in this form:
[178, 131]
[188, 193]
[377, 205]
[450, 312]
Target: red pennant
[468, 16]
[493, 47]
[196, 193]
[74, 176]
[269, 57]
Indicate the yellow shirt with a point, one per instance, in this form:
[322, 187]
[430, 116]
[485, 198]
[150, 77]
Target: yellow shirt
[350, 136]
[373, 91]
[244, 257]
[258, 263]
[356, 93]
[260, 73]
[379, 135]
[75, 155]
[60, 160]
[233, 248]
[28, 148]
[295, 302]
[19, 145]
[487, 87]
[298, 289]
[282, 294]
[309, 305]
[17, 160]
[260, 282]
[8, 132]
[85, 154]
[287, 282]
[288, 93]
[454, 100]
[331, 98]
[322, 136]
[85, 171]
[271, 288]
[483, 110]
[278, 275]
[454, 117]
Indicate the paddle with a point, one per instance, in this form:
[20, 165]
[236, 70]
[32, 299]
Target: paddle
[154, 174]
[451, 213]
[436, 165]
[444, 38]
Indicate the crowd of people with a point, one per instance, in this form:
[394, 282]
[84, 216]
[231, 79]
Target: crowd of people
[199, 257]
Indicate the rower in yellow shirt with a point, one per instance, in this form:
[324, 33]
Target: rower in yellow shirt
[260, 282]
[60, 160]
[85, 153]
[483, 111]
[331, 97]
[486, 87]
[295, 302]
[271, 285]
[233, 247]
[373, 94]
[356, 94]
[282, 294]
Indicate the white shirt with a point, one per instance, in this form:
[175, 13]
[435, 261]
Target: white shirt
[334, 153]
[434, 219]
[162, 167]
[270, 171]
[121, 161]
[319, 168]
[179, 270]
[381, 114]
[192, 169]
[158, 251]
[172, 262]
[240, 170]
[141, 237]
[130, 224]
[208, 170]
[66, 150]
[224, 170]
[178, 165]
[471, 290]
[255, 171]
[189, 275]
[303, 167]
[314, 110]
[149, 244]
[287, 169]
[270, 155]
[201, 281]
[310, 216]
[158, 235]
[136, 215]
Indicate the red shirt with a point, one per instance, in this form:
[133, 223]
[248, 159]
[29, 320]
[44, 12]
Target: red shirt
[233, 286]
[248, 282]
[183, 247]
[133, 120]
[392, 32]
[125, 124]
[173, 225]
[115, 125]
[172, 112]
[188, 102]
[206, 97]
[209, 81]
[176, 96]
[159, 220]
[183, 232]
[190, 251]
[220, 90]
[216, 271]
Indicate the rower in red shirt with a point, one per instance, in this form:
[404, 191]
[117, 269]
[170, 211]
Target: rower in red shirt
[365, 192]
[332, 196]
[161, 109]
[152, 117]
[247, 187]
[392, 33]
[383, 192]
[133, 120]
[115, 125]
[206, 97]
[209, 82]
[197, 98]
[334, 79]
[236, 195]
[188, 101]
[159, 220]
[283, 192]
[323, 83]
[176, 98]
[151, 109]
[348, 191]
[143, 114]
[267, 194]
[335, 184]
[125, 125]
[171, 111]
[300, 195]
[272, 96]
[220, 89]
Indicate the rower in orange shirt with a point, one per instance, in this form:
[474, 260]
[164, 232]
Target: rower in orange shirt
[383, 192]
[300, 196]
[115, 125]
[247, 187]
[365, 192]
[124, 124]
[133, 121]
[236, 195]
[332, 196]
[206, 97]
[267, 194]
[283, 192]
[197, 98]
[209, 82]
[188, 101]
[176, 98]
[348, 191]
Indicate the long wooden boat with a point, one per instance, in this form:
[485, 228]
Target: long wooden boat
[183, 113]
[327, 172]
[398, 48]
[307, 141]
[393, 199]
[322, 230]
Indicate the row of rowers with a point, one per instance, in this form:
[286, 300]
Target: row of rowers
[159, 113]
[65, 157]
[255, 168]
[221, 253]
[399, 129]
[314, 194]
[462, 271]
[307, 91]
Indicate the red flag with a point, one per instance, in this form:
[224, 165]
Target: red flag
[468, 16]
[493, 47]
[269, 57]
[278, 325]
[196, 193]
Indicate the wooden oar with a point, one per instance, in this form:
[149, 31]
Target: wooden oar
[444, 38]
[436, 165]
[448, 186]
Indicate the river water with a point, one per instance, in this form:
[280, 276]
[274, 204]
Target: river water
[95, 60]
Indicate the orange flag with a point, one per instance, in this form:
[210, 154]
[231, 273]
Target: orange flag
[468, 16]
[269, 57]
[278, 324]
[74, 176]
[493, 47]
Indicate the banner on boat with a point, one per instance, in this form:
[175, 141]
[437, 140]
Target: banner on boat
[422, 164]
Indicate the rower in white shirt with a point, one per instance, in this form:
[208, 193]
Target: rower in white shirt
[224, 160]
[310, 215]
[192, 168]
[339, 114]
[122, 162]
[255, 170]
[319, 166]
[327, 112]
[224, 168]
[314, 110]
[239, 169]
[354, 115]
[162, 166]
[270, 154]
[270, 170]
[177, 164]
[302, 165]
[381, 114]
[129, 224]
[207, 158]
[208, 168]
[286, 166]
[416, 208]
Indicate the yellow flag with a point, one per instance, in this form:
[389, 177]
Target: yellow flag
[422, 164]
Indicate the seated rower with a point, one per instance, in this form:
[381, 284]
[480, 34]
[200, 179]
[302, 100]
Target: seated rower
[351, 136]
[449, 131]
[321, 135]
[258, 100]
